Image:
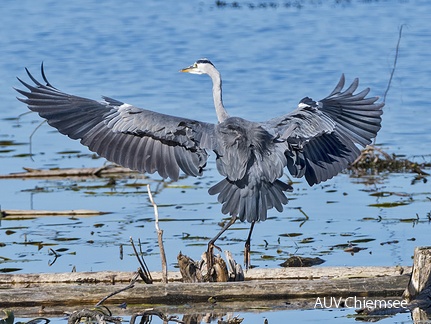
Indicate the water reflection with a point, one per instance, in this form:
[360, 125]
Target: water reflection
[156, 315]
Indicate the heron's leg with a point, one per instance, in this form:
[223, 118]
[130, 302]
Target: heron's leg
[210, 255]
[247, 247]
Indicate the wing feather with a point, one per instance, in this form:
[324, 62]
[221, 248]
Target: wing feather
[321, 137]
[136, 138]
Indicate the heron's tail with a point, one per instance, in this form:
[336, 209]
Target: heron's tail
[250, 203]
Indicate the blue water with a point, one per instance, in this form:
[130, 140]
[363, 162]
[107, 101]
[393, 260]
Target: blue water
[269, 58]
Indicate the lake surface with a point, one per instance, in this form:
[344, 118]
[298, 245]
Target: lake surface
[270, 54]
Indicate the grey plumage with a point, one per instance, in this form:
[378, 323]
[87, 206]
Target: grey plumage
[317, 140]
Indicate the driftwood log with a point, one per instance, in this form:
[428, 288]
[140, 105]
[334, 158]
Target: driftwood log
[108, 170]
[260, 285]
[23, 213]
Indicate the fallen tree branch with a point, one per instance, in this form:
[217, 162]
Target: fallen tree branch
[72, 172]
[23, 213]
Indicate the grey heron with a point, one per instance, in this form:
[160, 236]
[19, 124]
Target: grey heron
[317, 140]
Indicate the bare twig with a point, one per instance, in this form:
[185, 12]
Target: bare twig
[55, 257]
[159, 237]
[143, 271]
[130, 285]
[393, 70]
[305, 215]
[31, 139]
[395, 62]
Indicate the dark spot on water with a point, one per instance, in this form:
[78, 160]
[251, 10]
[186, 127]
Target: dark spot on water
[290, 234]
[66, 239]
[364, 240]
[353, 249]
[298, 261]
[10, 143]
[307, 240]
[389, 204]
[7, 270]
[267, 257]
[390, 242]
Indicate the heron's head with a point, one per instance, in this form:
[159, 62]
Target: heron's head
[202, 66]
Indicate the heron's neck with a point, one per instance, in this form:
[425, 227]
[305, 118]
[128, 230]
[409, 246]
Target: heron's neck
[221, 112]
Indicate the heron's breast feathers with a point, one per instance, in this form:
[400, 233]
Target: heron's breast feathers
[245, 149]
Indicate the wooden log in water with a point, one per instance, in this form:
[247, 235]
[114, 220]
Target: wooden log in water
[173, 276]
[180, 293]
[70, 172]
[262, 284]
[24, 213]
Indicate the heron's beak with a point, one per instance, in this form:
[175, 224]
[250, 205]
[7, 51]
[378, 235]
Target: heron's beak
[188, 69]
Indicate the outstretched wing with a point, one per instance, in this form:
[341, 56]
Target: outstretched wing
[136, 138]
[320, 137]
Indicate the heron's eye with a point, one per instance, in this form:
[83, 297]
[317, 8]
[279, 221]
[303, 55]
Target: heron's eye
[195, 65]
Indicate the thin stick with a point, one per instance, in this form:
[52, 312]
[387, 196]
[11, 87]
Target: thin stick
[159, 237]
[130, 285]
[393, 70]
[55, 257]
[395, 62]
[31, 139]
[143, 271]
